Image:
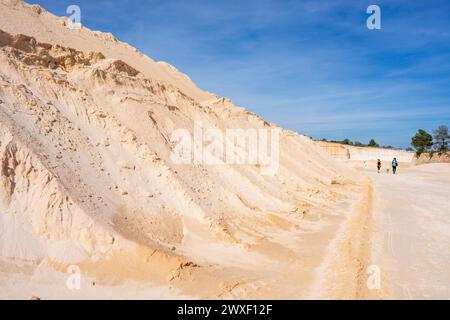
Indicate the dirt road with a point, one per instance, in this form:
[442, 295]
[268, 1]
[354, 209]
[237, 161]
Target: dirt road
[411, 236]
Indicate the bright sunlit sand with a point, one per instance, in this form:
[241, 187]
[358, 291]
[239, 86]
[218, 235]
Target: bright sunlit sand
[98, 200]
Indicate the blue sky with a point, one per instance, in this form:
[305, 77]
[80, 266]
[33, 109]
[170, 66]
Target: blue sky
[310, 66]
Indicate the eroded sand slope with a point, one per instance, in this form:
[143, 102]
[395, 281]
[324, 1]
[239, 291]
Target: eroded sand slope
[87, 180]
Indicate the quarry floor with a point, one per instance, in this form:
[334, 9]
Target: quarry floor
[411, 231]
[409, 244]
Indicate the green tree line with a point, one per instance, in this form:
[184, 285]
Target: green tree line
[372, 143]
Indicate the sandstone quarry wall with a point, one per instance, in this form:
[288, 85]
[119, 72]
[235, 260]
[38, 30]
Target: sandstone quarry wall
[436, 158]
[346, 152]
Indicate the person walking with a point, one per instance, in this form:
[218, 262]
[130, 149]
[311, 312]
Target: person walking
[394, 165]
[379, 165]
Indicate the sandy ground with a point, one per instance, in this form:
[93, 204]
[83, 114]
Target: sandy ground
[411, 237]
[407, 239]
[23, 282]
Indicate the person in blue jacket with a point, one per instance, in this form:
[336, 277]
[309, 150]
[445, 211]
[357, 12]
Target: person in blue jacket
[394, 165]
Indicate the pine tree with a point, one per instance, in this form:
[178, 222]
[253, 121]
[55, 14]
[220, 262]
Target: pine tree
[422, 142]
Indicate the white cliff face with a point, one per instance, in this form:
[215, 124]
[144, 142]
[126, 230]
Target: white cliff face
[346, 152]
[87, 177]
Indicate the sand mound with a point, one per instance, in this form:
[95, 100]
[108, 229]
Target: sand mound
[87, 176]
[19, 17]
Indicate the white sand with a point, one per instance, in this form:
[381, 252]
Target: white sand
[86, 179]
[411, 241]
